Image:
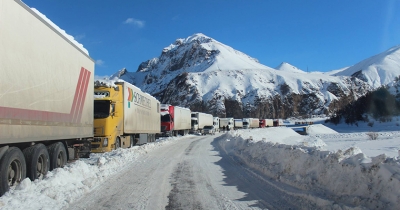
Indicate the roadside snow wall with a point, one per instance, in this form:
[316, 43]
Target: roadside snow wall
[347, 178]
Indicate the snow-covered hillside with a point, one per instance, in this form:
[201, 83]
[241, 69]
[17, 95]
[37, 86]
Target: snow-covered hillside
[289, 68]
[377, 70]
[206, 75]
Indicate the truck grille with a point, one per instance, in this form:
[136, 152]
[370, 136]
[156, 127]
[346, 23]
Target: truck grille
[98, 131]
[96, 139]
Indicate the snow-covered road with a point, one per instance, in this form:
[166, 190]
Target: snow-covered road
[188, 174]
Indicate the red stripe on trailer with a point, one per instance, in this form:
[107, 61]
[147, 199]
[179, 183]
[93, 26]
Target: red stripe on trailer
[36, 115]
[83, 95]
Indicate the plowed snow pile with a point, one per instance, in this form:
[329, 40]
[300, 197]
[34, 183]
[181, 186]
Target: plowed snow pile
[343, 177]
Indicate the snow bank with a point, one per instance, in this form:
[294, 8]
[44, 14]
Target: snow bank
[347, 178]
[63, 186]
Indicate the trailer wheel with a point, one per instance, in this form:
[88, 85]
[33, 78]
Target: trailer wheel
[12, 169]
[117, 144]
[58, 155]
[37, 161]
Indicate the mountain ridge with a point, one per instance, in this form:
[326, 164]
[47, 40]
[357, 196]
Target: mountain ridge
[206, 75]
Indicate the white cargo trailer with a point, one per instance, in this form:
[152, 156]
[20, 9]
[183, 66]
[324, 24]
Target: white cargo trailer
[46, 87]
[238, 123]
[182, 118]
[226, 123]
[251, 123]
[199, 120]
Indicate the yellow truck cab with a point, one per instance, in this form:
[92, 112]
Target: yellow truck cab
[123, 116]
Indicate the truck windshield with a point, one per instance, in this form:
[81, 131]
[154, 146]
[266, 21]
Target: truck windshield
[166, 118]
[101, 109]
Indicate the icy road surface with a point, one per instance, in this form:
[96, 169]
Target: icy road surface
[191, 173]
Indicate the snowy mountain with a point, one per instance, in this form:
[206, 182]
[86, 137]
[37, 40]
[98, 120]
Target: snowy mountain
[377, 70]
[206, 75]
[289, 68]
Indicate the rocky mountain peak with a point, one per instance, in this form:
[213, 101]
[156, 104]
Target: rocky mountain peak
[288, 67]
[203, 74]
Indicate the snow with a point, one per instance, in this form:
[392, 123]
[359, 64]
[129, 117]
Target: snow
[380, 69]
[288, 67]
[61, 31]
[340, 162]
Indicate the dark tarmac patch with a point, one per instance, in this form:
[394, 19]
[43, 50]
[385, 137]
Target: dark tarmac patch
[183, 193]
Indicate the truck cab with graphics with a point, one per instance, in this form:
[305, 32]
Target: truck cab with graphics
[123, 116]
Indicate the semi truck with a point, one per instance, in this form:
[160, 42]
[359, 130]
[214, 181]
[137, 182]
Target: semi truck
[250, 123]
[238, 123]
[266, 123]
[123, 116]
[175, 120]
[46, 86]
[199, 120]
[226, 123]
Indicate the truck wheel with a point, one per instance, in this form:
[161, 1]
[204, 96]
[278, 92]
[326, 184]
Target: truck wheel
[12, 169]
[117, 143]
[37, 161]
[58, 155]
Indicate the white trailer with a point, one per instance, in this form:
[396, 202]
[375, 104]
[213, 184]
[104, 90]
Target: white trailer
[226, 123]
[269, 122]
[199, 120]
[216, 124]
[254, 122]
[238, 123]
[46, 89]
[182, 119]
[141, 111]
[251, 123]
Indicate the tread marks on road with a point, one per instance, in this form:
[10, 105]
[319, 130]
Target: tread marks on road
[183, 193]
[190, 147]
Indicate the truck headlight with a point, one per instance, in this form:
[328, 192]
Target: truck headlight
[105, 142]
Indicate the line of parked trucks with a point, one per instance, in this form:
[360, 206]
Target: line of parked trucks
[51, 112]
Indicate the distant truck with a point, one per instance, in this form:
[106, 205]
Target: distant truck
[226, 122]
[238, 123]
[175, 120]
[278, 122]
[266, 123]
[251, 123]
[216, 124]
[46, 86]
[199, 120]
[123, 116]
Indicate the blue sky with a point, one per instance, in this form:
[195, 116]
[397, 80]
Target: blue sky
[309, 34]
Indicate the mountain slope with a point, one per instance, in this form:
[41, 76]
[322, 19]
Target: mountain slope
[377, 70]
